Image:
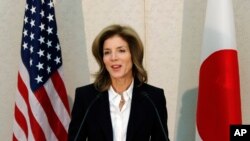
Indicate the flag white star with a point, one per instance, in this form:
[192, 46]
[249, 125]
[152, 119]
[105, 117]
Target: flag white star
[25, 45]
[32, 23]
[42, 13]
[50, 4]
[49, 30]
[42, 1]
[48, 69]
[26, 7]
[40, 53]
[32, 36]
[25, 32]
[50, 17]
[48, 56]
[58, 47]
[57, 60]
[42, 26]
[39, 79]
[39, 66]
[49, 43]
[33, 10]
[31, 49]
[25, 19]
[31, 62]
[41, 40]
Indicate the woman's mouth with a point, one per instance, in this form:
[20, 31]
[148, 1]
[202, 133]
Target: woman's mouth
[116, 67]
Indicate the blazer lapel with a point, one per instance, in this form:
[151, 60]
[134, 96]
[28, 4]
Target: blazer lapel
[133, 118]
[104, 117]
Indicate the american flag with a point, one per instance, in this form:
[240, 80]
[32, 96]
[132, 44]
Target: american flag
[41, 107]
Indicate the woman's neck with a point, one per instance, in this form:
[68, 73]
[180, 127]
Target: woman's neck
[121, 85]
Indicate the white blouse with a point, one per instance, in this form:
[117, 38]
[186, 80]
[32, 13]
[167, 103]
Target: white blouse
[119, 117]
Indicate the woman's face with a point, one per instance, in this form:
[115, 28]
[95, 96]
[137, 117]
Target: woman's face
[117, 58]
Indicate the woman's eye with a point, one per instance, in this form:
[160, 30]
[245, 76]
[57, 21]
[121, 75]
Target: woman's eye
[106, 52]
[122, 50]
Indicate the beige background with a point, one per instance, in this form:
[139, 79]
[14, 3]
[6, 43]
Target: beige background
[170, 29]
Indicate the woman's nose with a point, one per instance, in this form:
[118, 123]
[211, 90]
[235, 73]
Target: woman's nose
[113, 56]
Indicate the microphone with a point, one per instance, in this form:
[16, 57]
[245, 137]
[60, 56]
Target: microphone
[157, 114]
[86, 113]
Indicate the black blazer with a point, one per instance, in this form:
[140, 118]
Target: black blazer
[143, 124]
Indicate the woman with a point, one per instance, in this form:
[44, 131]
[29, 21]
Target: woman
[119, 105]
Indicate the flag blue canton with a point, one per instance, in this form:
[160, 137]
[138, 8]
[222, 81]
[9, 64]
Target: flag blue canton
[40, 51]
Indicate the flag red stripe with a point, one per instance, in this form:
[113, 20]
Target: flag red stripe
[35, 127]
[60, 88]
[57, 128]
[20, 119]
[14, 138]
[219, 96]
[22, 89]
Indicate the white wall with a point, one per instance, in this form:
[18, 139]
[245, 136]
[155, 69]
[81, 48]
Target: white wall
[11, 17]
[170, 29]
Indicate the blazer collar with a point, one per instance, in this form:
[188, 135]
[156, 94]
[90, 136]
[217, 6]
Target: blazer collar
[133, 118]
[104, 117]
